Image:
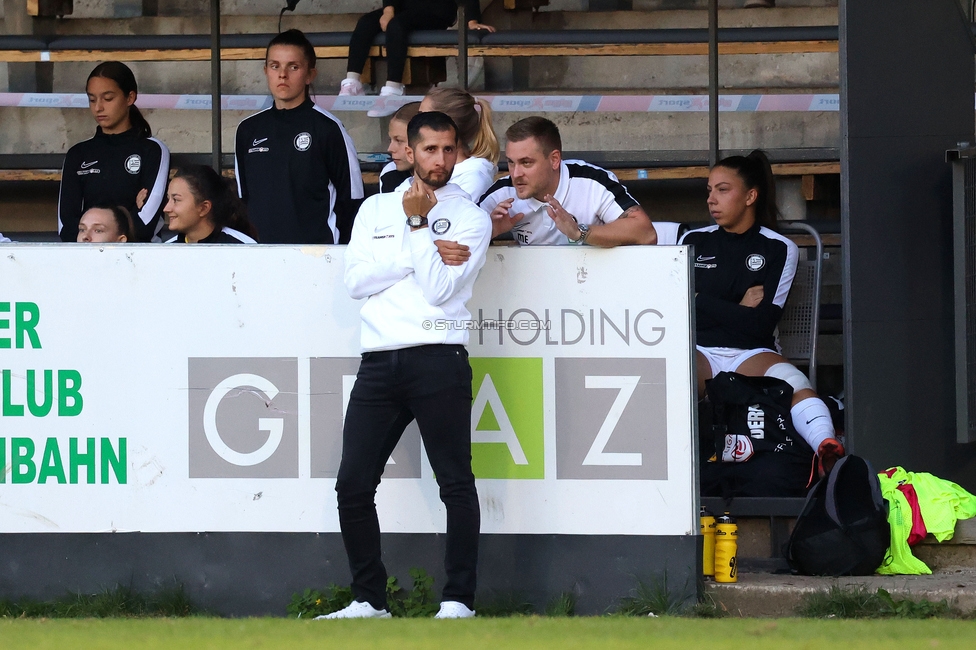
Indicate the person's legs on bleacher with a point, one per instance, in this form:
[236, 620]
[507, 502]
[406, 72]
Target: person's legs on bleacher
[409, 19]
[362, 39]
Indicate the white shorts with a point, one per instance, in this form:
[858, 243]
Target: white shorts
[729, 359]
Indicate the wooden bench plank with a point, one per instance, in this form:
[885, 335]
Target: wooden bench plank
[341, 52]
[624, 174]
[701, 171]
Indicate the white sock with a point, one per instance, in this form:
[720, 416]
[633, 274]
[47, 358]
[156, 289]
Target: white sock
[811, 417]
[353, 75]
[395, 86]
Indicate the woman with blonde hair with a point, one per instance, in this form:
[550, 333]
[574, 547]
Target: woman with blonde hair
[478, 151]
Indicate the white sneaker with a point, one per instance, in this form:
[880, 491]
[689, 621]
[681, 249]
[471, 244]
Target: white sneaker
[384, 107]
[351, 87]
[454, 609]
[360, 610]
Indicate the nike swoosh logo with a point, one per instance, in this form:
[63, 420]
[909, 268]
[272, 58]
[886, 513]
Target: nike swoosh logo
[816, 417]
[257, 142]
[702, 258]
[85, 165]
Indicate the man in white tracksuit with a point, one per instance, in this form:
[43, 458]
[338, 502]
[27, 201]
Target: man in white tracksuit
[411, 368]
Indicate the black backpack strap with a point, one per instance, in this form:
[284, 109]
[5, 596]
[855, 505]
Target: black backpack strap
[831, 496]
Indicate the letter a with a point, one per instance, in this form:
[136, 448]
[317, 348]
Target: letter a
[488, 396]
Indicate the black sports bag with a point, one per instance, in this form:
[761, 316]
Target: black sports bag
[751, 415]
[843, 528]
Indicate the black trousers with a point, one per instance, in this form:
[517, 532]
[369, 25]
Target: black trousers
[414, 15]
[432, 384]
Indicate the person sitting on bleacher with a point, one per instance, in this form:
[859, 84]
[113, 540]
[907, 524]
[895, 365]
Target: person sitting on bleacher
[203, 209]
[398, 18]
[547, 200]
[121, 165]
[399, 169]
[103, 224]
[478, 148]
[743, 272]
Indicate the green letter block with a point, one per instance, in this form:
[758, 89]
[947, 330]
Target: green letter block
[22, 467]
[72, 392]
[9, 408]
[117, 461]
[76, 459]
[506, 419]
[26, 317]
[51, 465]
[41, 409]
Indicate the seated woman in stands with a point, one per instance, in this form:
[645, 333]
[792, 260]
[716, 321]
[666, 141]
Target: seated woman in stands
[202, 209]
[121, 165]
[398, 18]
[102, 224]
[477, 160]
[743, 272]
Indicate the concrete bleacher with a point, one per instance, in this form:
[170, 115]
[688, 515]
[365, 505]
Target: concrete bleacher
[667, 148]
[52, 130]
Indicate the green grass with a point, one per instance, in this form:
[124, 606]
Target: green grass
[606, 633]
[859, 602]
[116, 602]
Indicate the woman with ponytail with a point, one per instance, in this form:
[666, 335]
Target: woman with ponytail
[121, 165]
[477, 161]
[743, 273]
[202, 208]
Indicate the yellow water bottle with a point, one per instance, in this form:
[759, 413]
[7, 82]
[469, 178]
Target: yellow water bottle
[708, 543]
[726, 534]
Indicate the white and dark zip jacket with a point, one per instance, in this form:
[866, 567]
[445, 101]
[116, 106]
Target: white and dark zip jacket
[298, 172]
[728, 264]
[225, 235]
[112, 170]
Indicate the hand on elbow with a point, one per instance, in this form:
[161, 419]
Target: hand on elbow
[753, 296]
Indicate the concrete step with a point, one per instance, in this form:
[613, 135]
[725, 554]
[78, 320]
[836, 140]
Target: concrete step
[53, 130]
[811, 71]
[761, 540]
[762, 592]
[779, 595]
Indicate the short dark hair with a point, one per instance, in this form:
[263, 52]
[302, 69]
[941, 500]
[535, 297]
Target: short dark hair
[539, 128]
[123, 220]
[433, 120]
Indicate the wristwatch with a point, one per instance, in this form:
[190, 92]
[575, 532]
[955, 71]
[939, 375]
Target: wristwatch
[584, 233]
[416, 221]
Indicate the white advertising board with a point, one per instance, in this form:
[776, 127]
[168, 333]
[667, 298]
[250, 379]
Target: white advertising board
[202, 388]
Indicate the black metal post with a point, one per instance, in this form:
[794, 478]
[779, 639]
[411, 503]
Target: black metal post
[462, 57]
[712, 82]
[215, 127]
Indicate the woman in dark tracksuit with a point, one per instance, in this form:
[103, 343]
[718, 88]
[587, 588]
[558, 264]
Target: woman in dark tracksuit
[398, 18]
[121, 165]
[297, 169]
[743, 273]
